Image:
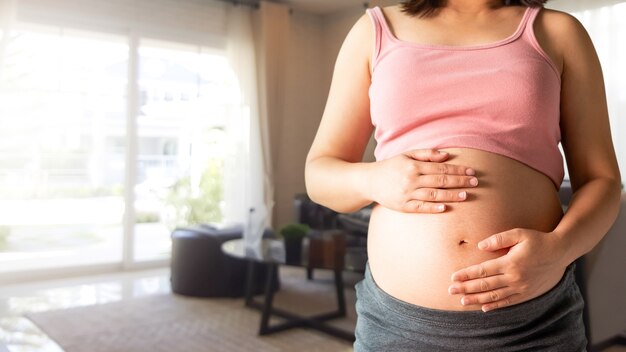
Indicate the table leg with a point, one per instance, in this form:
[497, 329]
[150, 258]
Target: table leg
[294, 320]
[249, 283]
[341, 299]
[269, 298]
[309, 273]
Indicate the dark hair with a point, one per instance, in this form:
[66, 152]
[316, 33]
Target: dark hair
[425, 8]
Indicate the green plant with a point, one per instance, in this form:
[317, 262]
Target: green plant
[145, 217]
[5, 232]
[185, 208]
[294, 231]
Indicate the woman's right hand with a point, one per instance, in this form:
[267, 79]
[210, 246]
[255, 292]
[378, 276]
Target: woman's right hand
[418, 181]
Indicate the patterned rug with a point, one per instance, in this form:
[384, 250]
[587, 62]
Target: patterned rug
[183, 324]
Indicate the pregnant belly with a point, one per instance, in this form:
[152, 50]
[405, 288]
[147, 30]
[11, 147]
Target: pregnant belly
[412, 256]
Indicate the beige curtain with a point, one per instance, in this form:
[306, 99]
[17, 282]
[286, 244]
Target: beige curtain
[7, 14]
[256, 46]
[272, 28]
[245, 174]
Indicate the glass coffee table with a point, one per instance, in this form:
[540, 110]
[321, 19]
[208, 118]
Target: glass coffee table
[272, 253]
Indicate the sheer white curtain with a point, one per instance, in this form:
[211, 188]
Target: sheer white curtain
[248, 181]
[7, 12]
[605, 20]
[212, 24]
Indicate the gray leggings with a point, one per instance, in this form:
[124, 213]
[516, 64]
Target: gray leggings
[550, 322]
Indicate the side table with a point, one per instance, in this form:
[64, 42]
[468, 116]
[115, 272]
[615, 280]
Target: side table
[272, 253]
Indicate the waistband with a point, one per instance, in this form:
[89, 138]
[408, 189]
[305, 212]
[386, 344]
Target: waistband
[518, 314]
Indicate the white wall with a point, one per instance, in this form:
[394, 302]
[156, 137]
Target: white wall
[304, 97]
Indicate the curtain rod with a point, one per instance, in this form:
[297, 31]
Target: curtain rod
[255, 4]
[252, 3]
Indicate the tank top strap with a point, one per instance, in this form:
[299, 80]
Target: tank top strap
[383, 33]
[530, 38]
[529, 19]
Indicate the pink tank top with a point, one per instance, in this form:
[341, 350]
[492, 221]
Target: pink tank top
[501, 97]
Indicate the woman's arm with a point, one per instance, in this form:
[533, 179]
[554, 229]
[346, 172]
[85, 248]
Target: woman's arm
[334, 172]
[335, 176]
[536, 261]
[588, 147]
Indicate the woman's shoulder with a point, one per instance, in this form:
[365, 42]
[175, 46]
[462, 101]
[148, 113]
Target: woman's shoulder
[558, 17]
[561, 35]
[560, 24]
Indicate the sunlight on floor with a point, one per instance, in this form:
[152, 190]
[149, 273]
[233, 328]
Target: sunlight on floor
[20, 334]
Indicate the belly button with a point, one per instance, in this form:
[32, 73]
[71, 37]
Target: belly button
[462, 242]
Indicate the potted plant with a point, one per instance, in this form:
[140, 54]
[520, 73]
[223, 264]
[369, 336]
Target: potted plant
[292, 235]
[5, 232]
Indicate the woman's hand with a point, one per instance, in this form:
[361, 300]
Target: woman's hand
[531, 267]
[419, 182]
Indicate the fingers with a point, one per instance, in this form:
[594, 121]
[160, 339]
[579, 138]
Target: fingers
[438, 195]
[478, 271]
[428, 200]
[498, 298]
[478, 285]
[481, 284]
[425, 181]
[424, 200]
[446, 181]
[505, 302]
[419, 206]
[500, 240]
[427, 155]
[444, 169]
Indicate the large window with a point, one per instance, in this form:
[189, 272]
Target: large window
[184, 99]
[62, 112]
[65, 141]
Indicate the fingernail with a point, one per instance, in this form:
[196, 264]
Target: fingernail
[474, 181]
[462, 195]
[482, 245]
[453, 290]
[441, 207]
[463, 301]
[470, 172]
[486, 309]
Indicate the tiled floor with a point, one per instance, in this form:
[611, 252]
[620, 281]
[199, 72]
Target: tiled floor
[20, 335]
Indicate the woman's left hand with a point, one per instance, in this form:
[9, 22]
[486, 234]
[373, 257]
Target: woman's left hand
[531, 267]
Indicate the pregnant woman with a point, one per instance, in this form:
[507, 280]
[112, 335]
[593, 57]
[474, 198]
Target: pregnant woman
[468, 246]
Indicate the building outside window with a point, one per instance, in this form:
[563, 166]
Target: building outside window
[65, 139]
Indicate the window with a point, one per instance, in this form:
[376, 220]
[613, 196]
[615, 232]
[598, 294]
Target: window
[181, 127]
[65, 143]
[62, 111]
